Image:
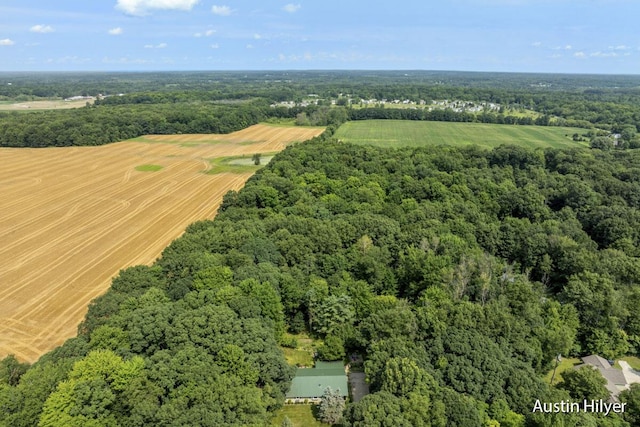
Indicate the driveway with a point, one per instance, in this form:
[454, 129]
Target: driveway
[630, 375]
[359, 386]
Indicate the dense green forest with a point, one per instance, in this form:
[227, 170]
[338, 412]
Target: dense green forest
[102, 125]
[458, 273]
[368, 84]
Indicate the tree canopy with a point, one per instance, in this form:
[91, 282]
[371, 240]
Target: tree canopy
[458, 273]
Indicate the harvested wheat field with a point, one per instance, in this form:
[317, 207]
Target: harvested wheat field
[71, 218]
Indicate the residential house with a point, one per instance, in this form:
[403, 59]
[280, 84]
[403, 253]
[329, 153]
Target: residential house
[309, 384]
[617, 379]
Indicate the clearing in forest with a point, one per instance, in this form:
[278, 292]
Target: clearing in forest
[71, 218]
[44, 105]
[405, 133]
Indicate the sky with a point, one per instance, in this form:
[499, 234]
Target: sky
[552, 36]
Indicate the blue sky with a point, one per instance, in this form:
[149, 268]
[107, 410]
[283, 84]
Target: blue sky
[566, 36]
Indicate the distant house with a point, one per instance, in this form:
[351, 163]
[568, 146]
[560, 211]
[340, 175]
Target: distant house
[309, 384]
[617, 379]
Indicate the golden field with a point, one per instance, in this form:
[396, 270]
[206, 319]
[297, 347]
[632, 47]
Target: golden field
[71, 218]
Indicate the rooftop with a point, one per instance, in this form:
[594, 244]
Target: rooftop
[311, 383]
[616, 380]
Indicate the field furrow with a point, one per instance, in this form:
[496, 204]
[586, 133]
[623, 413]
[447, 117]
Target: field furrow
[71, 218]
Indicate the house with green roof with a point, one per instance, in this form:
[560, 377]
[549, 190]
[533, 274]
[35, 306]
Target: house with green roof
[309, 384]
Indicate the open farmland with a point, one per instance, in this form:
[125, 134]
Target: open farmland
[398, 133]
[43, 105]
[71, 218]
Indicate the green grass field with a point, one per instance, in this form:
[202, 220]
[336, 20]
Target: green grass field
[149, 168]
[565, 364]
[302, 355]
[236, 164]
[300, 416]
[405, 133]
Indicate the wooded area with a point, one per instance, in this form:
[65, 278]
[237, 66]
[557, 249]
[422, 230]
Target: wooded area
[459, 274]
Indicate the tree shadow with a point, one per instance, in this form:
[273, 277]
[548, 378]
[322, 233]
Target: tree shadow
[315, 411]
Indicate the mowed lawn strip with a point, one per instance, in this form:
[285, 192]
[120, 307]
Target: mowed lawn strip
[300, 415]
[405, 133]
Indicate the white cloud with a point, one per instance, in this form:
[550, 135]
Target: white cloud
[215, 46]
[69, 59]
[603, 54]
[257, 36]
[249, 46]
[157, 46]
[580, 55]
[124, 60]
[207, 33]
[536, 44]
[221, 10]
[7, 42]
[116, 31]
[142, 7]
[291, 8]
[619, 47]
[41, 29]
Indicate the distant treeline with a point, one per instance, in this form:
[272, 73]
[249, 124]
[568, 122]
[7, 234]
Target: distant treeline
[136, 104]
[606, 109]
[367, 84]
[105, 124]
[445, 115]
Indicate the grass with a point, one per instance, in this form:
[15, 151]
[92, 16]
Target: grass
[565, 364]
[287, 123]
[149, 168]
[633, 361]
[248, 161]
[405, 133]
[300, 415]
[42, 104]
[237, 164]
[302, 355]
